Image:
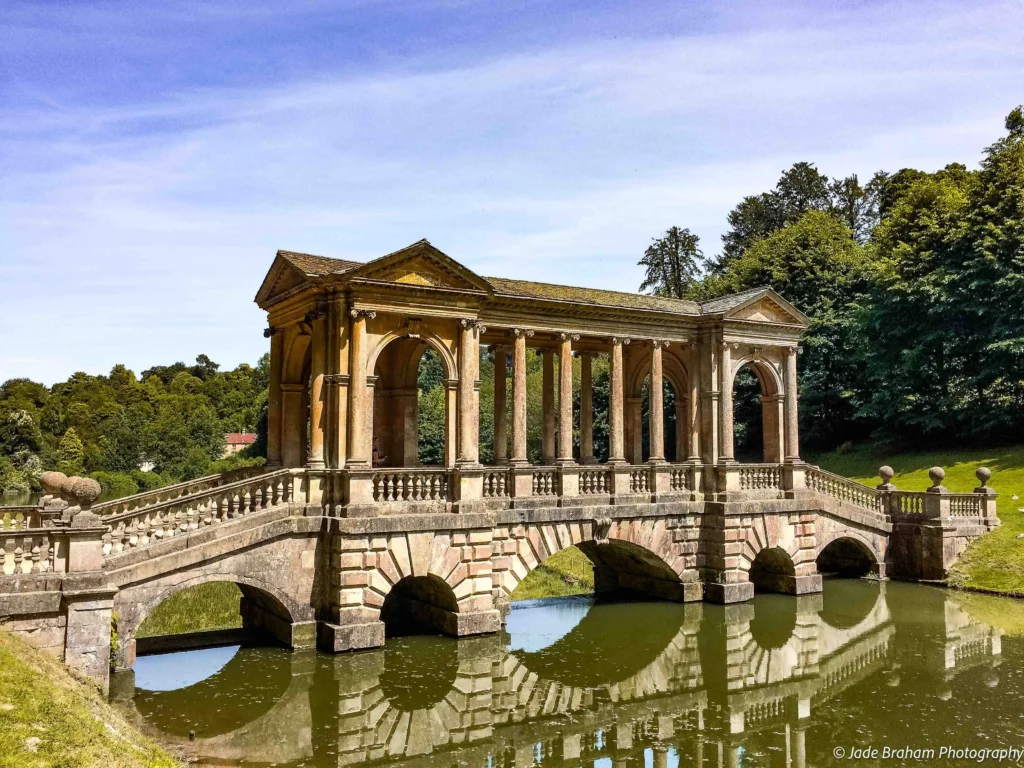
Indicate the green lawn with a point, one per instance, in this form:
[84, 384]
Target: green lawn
[48, 718]
[197, 609]
[995, 561]
[568, 572]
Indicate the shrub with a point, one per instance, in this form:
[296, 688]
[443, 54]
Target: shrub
[148, 481]
[115, 484]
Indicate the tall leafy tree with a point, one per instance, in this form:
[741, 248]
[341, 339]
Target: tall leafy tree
[673, 264]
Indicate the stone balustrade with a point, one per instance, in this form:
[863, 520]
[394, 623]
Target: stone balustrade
[192, 511]
[843, 488]
[176, 491]
[412, 485]
[759, 477]
[27, 550]
[19, 518]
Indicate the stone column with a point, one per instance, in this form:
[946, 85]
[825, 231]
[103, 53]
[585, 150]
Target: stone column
[565, 398]
[616, 422]
[548, 407]
[274, 404]
[338, 381]
[693, 408]
[519, 395]
[318, 392]
[469, 412]
[726, 415]
[586, 409]
[500, 405]
[657, 410]
[682, 427]
[292, 424]
[360, 404]
[792, 424]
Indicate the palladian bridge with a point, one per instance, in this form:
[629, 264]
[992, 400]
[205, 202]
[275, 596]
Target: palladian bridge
[345, 535]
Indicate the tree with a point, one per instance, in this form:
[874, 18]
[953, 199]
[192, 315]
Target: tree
[70, 452]
[816, 263]
[673, 262]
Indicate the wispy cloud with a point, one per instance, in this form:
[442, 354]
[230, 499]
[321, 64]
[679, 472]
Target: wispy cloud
[136, 227]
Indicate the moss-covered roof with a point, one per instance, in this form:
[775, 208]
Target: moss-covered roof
[733, 300]
[593, 296]
[319, 266]
[316, 266]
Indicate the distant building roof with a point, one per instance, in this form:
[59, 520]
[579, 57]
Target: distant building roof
[240, 438]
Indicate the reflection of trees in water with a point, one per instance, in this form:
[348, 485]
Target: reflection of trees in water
[472, 700]
[611, 643]
[241, 691]
[418, 671]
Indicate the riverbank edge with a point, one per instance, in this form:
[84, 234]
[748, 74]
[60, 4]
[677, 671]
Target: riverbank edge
[50, 716]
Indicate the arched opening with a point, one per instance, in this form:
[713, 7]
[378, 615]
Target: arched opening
[413, 403]
[757, 415]
[212, 614]
[625, 570]
[420, 605]
[846, 558]
[773, 571]
[675, 410]
[610, 570]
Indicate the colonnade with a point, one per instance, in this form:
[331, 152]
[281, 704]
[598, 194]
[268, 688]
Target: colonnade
[320, 416]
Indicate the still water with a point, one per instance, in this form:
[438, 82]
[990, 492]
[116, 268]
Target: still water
[780, 681]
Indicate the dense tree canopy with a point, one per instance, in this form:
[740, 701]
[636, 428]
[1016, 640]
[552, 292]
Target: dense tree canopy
[111, 426]
[915, 287]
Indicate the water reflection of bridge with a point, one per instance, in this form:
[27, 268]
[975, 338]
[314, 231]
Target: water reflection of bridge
[704, 682]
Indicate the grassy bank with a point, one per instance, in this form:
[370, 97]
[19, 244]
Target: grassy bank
[49, 718]
[995, 562]
[568, 572]
[205, 607]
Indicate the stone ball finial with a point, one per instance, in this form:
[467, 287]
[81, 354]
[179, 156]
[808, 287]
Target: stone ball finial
[67, 489]
[86, 491]
[886, 473]
[984, 474]
[937, 475]
[51, 482]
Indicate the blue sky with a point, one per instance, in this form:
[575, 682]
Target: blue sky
[154, 156]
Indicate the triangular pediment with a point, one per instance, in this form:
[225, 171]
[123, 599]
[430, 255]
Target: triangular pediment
[768, 307]
[282, 278]
[421, 265]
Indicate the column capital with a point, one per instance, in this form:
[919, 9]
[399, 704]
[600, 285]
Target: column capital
[472, 322]
[271, 331]
[519, 332]
[569, 336]
[797, 350]
[315, 314]
[337, 379]
[620, 341]
[369, 314]
[658, 343]
[730, 345]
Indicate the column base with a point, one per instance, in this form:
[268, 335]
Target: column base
[334, 638]
[724, 594]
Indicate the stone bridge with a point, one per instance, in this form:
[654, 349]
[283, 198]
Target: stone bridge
[345, 535]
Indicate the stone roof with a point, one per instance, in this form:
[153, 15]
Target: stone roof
[733, 300]
[594, 296]
[316, 266]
